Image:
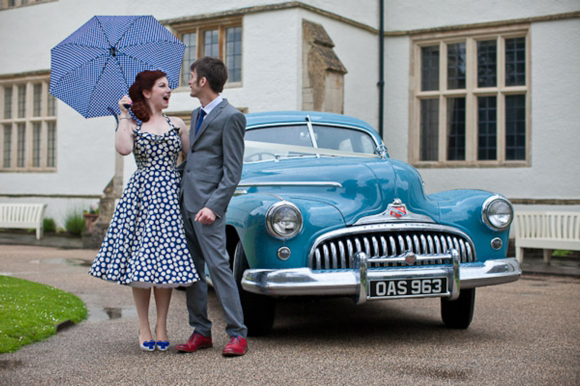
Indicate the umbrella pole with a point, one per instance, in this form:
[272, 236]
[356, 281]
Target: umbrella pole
[115, 116]
[118, 178]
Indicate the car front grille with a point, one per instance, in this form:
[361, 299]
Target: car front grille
[336, 250]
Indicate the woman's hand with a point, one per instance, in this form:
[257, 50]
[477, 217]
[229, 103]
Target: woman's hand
[125, 101]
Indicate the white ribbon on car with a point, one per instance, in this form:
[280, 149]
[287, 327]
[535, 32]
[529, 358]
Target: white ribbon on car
[264, 151]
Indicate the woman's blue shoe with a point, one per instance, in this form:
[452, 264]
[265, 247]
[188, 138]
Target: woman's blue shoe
[162, 345]
[148, 345]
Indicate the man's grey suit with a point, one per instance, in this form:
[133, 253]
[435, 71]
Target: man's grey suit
[211, 175]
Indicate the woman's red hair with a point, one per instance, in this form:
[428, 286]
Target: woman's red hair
[145, 80]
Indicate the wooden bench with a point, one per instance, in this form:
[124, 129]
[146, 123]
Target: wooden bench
[547, 231]
[23, 216]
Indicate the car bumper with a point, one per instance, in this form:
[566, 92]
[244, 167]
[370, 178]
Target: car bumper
[354, 282]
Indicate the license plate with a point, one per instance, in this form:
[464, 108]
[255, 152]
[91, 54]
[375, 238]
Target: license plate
[409, 287]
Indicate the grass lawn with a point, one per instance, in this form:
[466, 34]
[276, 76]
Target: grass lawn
[30, 312]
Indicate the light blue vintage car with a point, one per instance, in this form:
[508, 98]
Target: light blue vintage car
[322, 210]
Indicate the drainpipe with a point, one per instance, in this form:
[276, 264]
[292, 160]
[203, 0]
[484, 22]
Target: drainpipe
[381, 83]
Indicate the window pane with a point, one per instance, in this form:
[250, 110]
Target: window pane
[515, 125]
[189, 56]
[37, 106]
[50, 106]
[455, 129]
[21, 146]
[343, 139]
[7, 145]
[456, 66]
[21, 101]
[487, 128]
[36, 144]
[487, 63]
[429, 130]
[297, 135]
[8, 102]
[211, 43]
[51, 144]
[234, 53]
[430, 68]
[515, 62]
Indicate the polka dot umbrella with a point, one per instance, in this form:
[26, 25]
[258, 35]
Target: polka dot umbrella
[94, 67]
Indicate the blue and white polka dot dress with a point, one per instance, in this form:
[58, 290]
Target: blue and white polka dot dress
[145, 245]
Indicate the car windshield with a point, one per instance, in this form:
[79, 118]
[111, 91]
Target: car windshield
[291, 141]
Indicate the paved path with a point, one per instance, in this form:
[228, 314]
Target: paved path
[523, 333]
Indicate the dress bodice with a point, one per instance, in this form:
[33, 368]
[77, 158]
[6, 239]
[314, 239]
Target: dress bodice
[157, 151]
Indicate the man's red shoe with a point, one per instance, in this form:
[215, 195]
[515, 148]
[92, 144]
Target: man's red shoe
[237, 346]
[196, 341]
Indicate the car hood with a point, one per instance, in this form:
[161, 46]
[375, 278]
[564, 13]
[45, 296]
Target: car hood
[357, 187]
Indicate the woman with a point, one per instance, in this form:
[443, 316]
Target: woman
[145, 245]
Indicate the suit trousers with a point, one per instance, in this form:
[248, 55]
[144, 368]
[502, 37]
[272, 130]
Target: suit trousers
[207, 245]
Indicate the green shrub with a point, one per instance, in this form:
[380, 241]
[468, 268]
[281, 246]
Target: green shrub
[74, 223]
[560, 253]
[49, 224]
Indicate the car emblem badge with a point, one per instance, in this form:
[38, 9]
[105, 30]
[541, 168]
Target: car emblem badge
[397, 209]
[410, 258]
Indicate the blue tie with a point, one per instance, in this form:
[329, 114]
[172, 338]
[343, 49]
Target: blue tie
[199, 120]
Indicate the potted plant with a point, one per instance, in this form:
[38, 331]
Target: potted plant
[91, 216]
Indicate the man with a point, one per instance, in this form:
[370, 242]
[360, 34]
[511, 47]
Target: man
[212, 173]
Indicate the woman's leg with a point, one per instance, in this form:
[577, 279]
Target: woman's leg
[142, 296]
[162, 299]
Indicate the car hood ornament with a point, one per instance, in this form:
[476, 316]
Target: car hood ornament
[396, 211]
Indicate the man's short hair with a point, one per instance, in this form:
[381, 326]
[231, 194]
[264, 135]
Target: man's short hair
[213, 69]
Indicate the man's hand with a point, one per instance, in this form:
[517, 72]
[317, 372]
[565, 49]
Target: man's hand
[205, 216]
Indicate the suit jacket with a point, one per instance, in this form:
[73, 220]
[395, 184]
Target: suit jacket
[214, 159]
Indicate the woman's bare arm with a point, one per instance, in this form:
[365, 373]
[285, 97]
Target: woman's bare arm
[183, 134]
[124, 136]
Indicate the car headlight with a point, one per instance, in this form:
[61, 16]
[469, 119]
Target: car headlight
[284, 220]
[498, 213]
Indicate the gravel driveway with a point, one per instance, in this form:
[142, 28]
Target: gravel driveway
[523, 333]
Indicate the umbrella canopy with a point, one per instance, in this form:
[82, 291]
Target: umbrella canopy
[95, 66]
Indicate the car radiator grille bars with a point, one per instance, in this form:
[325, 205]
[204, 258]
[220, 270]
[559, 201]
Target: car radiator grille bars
[337, 251]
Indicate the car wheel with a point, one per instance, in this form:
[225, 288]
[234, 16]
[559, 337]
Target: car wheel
[459, 313]
[259, 310]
